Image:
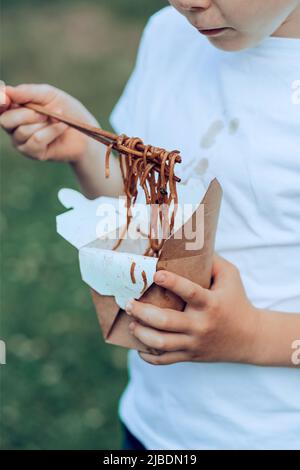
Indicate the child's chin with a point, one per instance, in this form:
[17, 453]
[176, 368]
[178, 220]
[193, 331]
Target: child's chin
[232, 44]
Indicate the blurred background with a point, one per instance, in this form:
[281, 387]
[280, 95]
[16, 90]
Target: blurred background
[61, 384]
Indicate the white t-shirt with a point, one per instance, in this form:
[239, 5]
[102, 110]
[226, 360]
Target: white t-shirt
[235, 116]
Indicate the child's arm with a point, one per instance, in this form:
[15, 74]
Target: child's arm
[43, 139]
[218, 325]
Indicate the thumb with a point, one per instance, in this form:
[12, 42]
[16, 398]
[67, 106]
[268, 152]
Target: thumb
[219, 263]
[5, 100]
[222, 269]
[26, 93]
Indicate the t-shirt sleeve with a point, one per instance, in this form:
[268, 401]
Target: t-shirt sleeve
[125, 115]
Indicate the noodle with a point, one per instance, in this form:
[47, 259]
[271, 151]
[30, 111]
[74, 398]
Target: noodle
[132, 268]
[150, 167]
[153, 170]
[144, 277]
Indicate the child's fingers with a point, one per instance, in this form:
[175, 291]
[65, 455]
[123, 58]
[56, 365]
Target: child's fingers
[4, 106]
[25, 93]
[37, 145]
[190, 292]
[23, 133]
[159, 318]
[166, 358]
[16, 117]
[159, 340]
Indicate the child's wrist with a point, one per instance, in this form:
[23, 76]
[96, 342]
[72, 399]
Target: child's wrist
[255, 346]
[91, 152]
[261, 351]
[89, 169]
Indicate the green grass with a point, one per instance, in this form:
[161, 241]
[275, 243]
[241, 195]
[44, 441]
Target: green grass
[61, 384]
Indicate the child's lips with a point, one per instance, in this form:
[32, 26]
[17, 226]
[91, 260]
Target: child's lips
[213, 31]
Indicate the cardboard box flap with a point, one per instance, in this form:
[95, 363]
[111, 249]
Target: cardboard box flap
[87, 219]
[107, 311]
[114, 322]
[195, 265]
[118, 274]
[198, 233]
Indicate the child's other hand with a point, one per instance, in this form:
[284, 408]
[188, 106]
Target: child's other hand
[217, 325]
[35, 135]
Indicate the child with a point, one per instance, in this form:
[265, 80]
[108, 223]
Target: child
[232, 111]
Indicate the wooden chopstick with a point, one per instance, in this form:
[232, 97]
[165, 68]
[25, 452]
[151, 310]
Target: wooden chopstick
[105, 137]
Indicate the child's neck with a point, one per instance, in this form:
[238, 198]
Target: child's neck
[290, 28]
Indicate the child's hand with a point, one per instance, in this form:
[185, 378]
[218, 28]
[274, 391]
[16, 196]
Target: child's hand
[41, 138]
[217, 325]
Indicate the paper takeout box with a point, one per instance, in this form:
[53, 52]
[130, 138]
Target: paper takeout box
[89, 227]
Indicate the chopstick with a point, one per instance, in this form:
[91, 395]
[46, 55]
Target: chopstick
[105, 137]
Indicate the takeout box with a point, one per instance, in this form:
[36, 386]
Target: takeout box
[92, 225]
